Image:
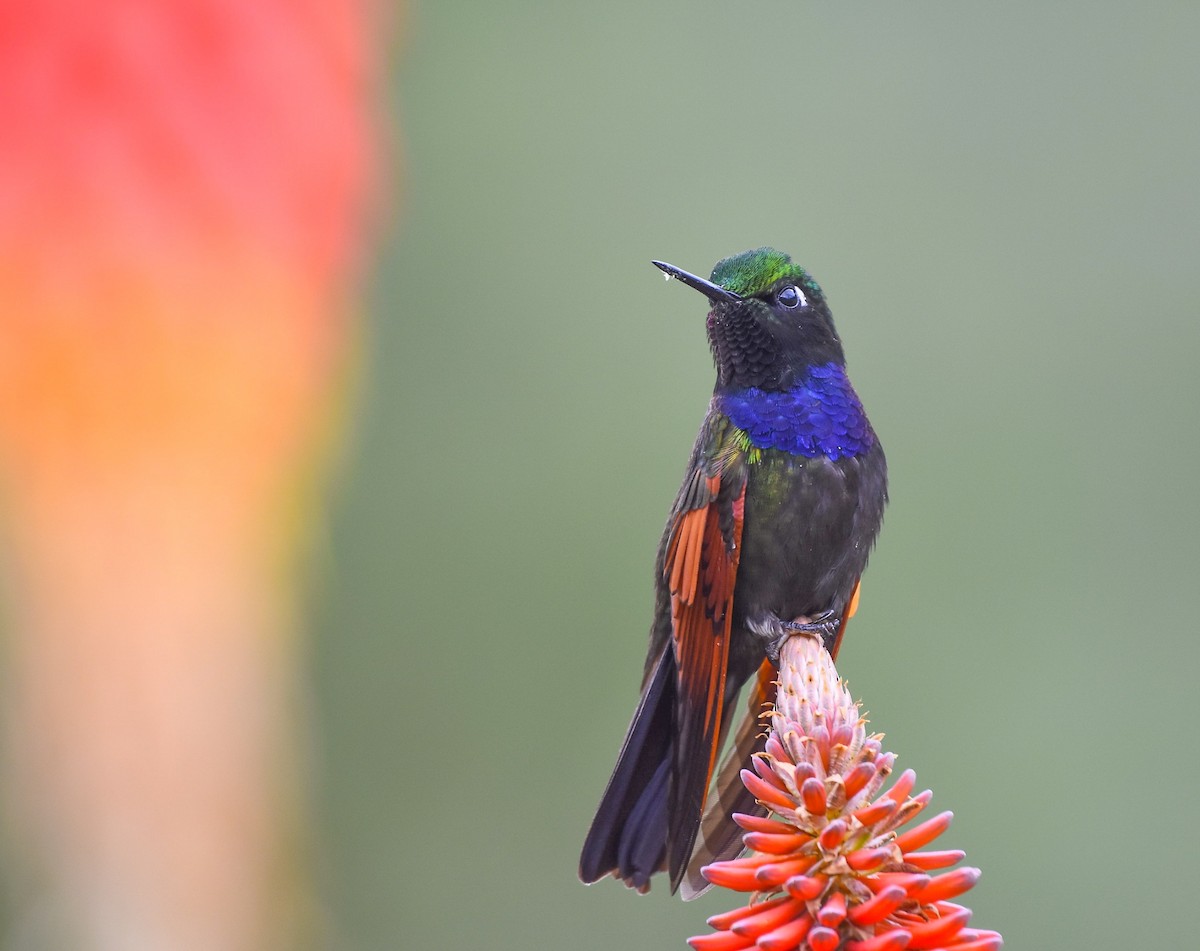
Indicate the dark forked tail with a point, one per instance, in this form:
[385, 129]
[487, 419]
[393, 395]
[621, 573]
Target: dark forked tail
[628, 837]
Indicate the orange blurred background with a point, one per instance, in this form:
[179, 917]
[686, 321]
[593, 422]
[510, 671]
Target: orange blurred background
[184, 190]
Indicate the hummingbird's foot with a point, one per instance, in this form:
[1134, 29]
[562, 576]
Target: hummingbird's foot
[824, 625]
[775, 631]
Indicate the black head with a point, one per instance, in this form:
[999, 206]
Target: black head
[769, 320]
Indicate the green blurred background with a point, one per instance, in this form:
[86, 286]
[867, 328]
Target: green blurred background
[1001, 202]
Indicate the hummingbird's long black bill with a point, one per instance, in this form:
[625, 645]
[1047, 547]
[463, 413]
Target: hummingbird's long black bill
[714, 292]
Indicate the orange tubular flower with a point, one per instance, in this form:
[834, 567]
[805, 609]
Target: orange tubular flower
[831, 870]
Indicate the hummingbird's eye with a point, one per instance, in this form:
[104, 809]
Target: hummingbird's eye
[792, 297]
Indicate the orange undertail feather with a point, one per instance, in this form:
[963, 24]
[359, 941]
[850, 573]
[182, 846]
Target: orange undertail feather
[719, 837]
[851, 608]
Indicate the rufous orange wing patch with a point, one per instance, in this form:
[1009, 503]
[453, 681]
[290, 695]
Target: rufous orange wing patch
[701, 569]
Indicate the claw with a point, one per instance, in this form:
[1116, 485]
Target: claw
[775, 631]
[824, 626]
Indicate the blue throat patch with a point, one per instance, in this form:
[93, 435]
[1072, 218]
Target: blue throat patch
[820, 416]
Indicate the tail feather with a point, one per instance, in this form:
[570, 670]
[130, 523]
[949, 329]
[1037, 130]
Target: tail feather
[628, 837]
[720, 838]
[641, 848]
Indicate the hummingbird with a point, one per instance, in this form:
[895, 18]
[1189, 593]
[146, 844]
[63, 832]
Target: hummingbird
[780, 506]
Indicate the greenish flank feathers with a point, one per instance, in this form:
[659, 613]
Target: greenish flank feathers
[752, 272]
[738, 445]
